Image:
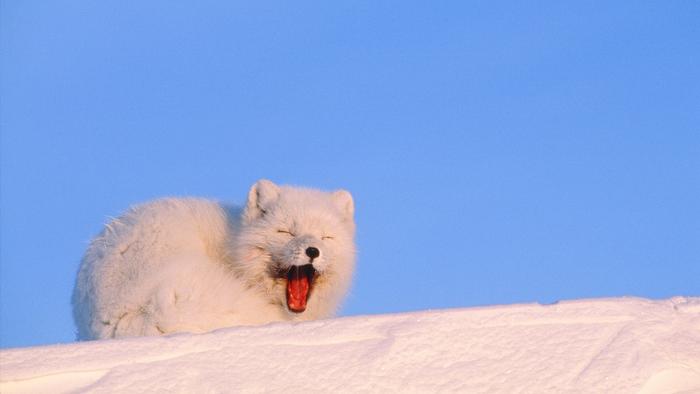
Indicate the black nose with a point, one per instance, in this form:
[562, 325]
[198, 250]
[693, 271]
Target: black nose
[312, 252]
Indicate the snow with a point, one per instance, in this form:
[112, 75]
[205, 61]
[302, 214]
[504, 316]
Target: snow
[618, 345]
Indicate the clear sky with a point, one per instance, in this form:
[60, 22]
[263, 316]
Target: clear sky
[498, 152]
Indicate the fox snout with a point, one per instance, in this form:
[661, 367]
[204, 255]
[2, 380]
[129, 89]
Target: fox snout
[303, 250]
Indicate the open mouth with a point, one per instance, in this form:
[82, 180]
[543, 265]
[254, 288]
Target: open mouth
[300, 280]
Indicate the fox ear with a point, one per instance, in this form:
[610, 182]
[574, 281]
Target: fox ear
[261, 195]
[343, 200]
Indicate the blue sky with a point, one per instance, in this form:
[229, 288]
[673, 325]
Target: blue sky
[498, 152]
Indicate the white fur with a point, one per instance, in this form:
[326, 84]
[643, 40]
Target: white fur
[195, 265]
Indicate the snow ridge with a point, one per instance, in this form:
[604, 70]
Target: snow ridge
[620, 345]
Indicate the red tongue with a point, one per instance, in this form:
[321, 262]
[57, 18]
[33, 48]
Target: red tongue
[297, 290]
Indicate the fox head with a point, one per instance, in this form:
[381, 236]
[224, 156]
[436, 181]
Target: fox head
[296, 246]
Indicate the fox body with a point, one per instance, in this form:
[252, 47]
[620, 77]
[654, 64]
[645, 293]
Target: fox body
[194, 265]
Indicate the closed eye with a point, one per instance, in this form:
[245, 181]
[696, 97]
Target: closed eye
[285, 232]
[325, 237]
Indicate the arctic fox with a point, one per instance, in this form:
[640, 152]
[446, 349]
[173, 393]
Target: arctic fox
[194, 265]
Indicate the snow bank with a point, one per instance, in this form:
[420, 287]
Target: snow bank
[622, 345]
